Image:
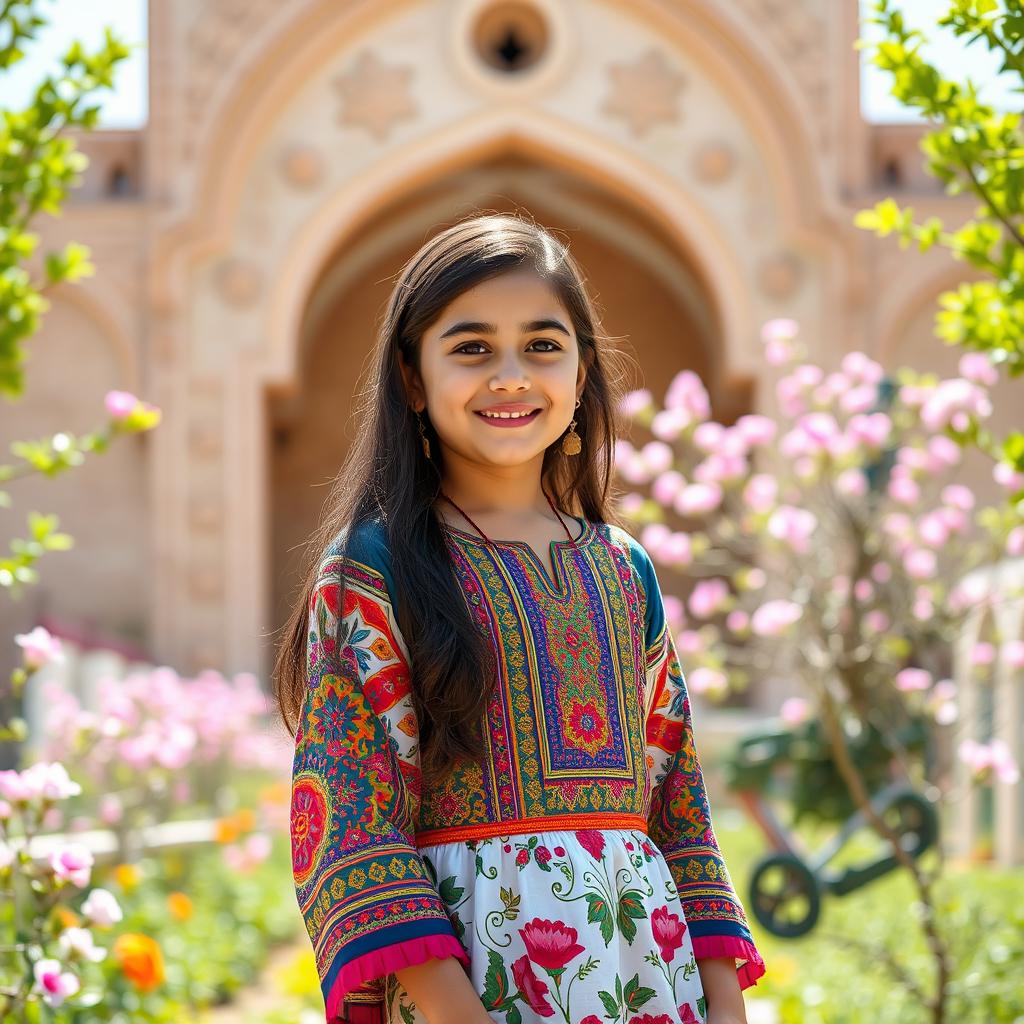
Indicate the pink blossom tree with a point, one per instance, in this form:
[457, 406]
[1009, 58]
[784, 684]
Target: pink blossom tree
[830, 540]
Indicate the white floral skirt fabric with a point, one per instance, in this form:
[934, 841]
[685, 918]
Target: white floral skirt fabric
[578, 927]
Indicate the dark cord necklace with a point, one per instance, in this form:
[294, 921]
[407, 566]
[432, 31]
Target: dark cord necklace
[488, 539]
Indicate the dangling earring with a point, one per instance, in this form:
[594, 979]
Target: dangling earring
[423, 436]
[571, 443]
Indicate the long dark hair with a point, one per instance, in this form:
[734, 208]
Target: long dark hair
[387, 476]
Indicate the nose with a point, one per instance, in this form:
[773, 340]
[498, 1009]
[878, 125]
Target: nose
[510, 375]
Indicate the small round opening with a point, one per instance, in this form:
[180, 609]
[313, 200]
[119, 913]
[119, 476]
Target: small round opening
[510, 37]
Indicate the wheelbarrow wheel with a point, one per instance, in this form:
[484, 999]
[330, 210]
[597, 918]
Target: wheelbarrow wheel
[785, 895]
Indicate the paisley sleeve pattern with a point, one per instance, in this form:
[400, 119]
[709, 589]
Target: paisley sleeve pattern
[366, 900]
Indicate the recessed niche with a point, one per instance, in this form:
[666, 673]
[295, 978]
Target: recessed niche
[511, 37]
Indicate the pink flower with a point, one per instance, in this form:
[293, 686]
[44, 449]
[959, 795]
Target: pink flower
[913, 679]
[870, 429]
[120, 404]
[904, 491]
[666, 486]
[50, 781]
[977, 367]
[921, 564]
[779, 329]
[591, 1019]
[1013, 653]
[523, 858]
[985, 759]
[696, 499]
[707, 680]
[943, 452]
[636, 402]
[794, 710]
[955, 401]
[101, 908]
[669, 930]
[78, 942]
[542, 854]
[668, 424]
[958, 496]
[647, 1018]
[592, 841]
[708, 597]
[851, 483]
[687, 1015]
[551, 944]
[774, 618]
[1007, 477]
[55, 984]
[756, 430]
[793, 526]
[39, 648]
[533, 989]
[73, 863]
[760, 492]
[983, 653]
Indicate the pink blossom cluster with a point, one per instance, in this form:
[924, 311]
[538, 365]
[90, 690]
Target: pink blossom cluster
[157, 721]
[23, 795]
[988, 760]
[791, 489]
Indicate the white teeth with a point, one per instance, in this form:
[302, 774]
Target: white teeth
[508, 415]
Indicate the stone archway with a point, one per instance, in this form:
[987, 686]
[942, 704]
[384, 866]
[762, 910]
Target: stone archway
[232, 283]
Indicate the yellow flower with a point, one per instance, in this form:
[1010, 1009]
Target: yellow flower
[298, 977]
[141, 960]
[179, 905]
[127, 875]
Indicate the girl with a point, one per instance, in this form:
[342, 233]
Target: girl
[497, 810]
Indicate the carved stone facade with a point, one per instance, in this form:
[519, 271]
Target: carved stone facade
[704, 160]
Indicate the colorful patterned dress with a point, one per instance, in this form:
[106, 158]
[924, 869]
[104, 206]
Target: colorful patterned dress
[574, 872]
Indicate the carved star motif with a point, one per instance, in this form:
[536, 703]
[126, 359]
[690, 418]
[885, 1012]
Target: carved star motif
[644, 92]
[375, 95]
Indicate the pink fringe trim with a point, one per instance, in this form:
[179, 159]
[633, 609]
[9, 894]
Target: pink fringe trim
[384, 961]
[712, 946]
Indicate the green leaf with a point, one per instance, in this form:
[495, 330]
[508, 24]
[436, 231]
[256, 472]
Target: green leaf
[450, 892]
[495, 981]
[598, 912]
[610, 1005]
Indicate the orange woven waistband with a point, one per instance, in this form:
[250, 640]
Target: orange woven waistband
[517, 826]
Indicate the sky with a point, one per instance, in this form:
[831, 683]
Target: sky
[126, 106]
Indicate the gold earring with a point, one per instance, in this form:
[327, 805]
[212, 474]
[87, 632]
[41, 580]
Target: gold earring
[423, 436]
[571, 443]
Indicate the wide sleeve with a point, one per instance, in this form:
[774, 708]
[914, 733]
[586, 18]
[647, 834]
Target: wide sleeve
[679, 819]
[365, 897]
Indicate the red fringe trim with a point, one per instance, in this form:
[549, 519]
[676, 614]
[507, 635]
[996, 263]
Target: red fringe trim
[713, 946]
[385, 961]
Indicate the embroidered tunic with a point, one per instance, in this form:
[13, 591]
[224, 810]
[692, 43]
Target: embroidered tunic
[574, 872]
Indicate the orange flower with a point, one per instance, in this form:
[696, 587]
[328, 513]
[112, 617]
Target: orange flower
[67, 917]
[230, 828]
[179, 905]
[245, 818]
[226, 830]
[127, 875]
[141, 960]
[276, 793]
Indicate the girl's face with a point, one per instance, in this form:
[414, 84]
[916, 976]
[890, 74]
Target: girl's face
[505, 344]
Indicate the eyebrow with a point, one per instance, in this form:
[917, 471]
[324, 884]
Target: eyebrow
[478, 327]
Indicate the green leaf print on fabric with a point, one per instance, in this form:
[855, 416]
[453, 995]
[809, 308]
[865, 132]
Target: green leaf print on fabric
[496, 988]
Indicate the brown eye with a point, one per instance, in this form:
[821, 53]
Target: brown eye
[547, 341]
